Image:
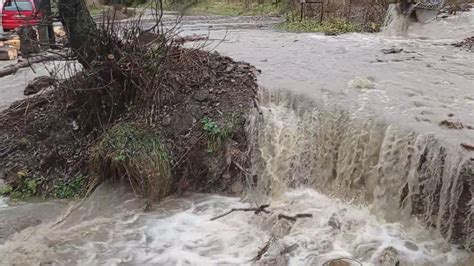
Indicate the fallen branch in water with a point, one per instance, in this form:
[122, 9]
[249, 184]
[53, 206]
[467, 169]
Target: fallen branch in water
[294, 218]
[12, 69]
[255, 210]
[467, 146]
[264, 249]
[341, 261]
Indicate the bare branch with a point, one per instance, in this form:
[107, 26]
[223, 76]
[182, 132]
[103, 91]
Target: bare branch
[258, 210]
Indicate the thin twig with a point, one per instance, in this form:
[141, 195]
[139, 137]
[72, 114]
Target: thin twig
[186, 152]
[258, 210]
[329, 262]
[264, 249]
[294, 218]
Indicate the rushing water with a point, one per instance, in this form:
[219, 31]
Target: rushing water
[113, 230]
[340, 147]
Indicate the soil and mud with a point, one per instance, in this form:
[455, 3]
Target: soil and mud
[41, 137]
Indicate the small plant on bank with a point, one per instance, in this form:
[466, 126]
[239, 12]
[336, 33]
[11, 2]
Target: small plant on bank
[214, 133]
[27, 186]
[6, 190]
[70, 189]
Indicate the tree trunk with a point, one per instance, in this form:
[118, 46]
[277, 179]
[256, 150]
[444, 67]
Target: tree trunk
[79, 26]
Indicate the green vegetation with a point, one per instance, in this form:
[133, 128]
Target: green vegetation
[330, 27]
[27, 186]
[220, 7]
[214, 133]
[6, 190]
[136, 155]
[69, 189]
[97, 10]
[134, 3]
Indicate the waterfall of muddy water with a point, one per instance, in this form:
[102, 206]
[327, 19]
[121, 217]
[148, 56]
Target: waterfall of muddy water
[400, 173]
[395, 24]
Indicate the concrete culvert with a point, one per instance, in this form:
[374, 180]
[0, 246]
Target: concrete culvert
[135, 155]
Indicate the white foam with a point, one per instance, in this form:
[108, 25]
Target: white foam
[3, 202]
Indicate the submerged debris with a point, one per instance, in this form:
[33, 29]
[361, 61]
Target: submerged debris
[451, 124]
[258, 210]
[467, 44]
[295, 217]
[392, 50]
[467, 146]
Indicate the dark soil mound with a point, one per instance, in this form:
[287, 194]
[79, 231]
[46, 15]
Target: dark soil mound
[200, 113]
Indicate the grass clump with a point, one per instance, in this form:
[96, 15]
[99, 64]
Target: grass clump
[26, 186]
[330, 27]
[69, 189]
[136, 155]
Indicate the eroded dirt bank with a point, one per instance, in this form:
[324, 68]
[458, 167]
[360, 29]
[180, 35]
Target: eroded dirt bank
[199, 113]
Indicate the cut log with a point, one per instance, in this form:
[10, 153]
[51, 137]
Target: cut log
[15, 43]
[8, 53]
[12, 69]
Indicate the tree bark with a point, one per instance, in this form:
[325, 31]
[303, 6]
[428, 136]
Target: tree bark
[12, 69]
[79, 26]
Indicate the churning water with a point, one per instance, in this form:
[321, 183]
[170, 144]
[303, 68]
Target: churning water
[179, 232]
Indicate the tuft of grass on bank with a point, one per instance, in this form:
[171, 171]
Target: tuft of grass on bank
[330, 27]
[135, 155]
